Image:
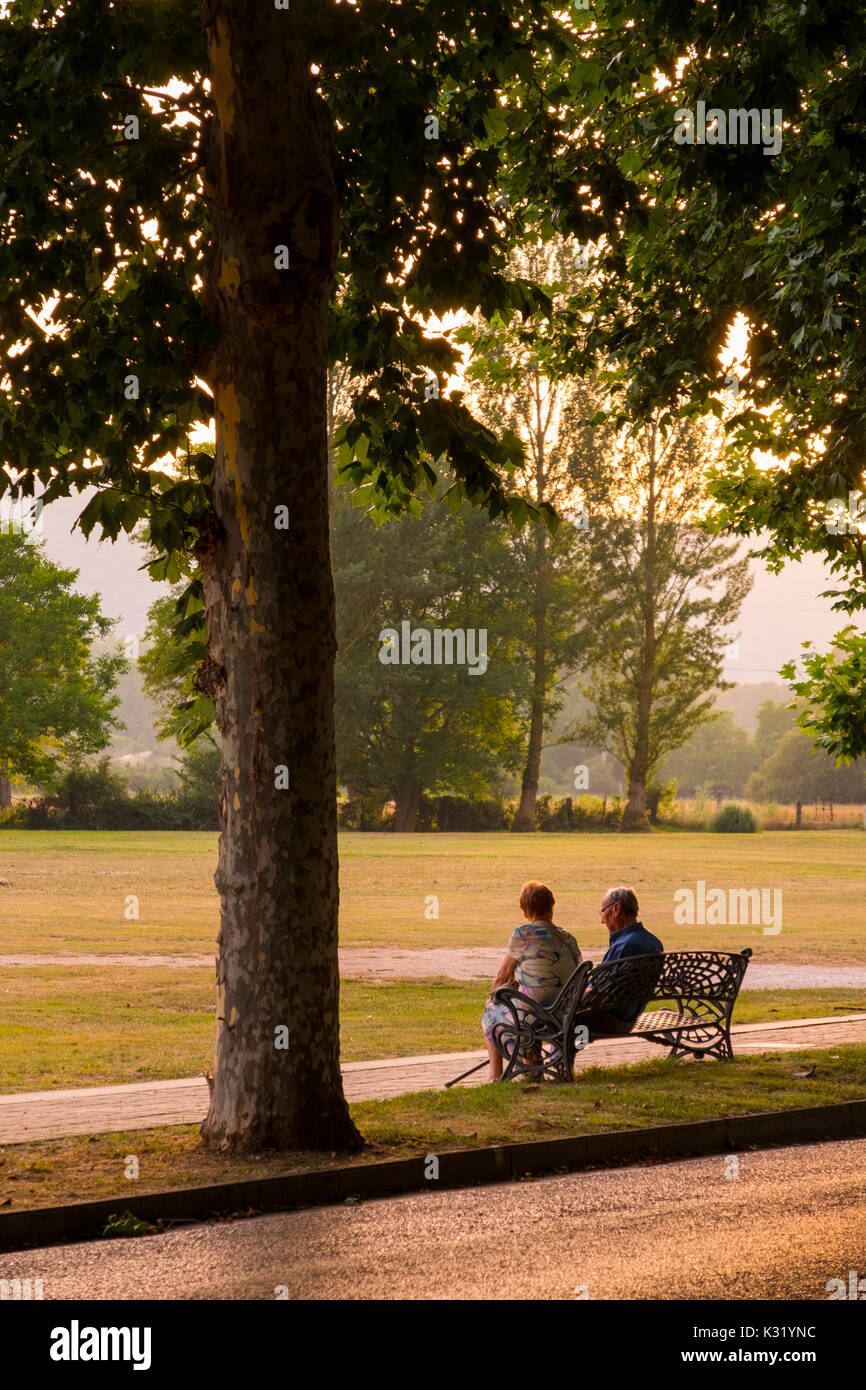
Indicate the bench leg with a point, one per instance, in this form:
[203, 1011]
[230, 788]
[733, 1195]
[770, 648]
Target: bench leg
[719, 1047]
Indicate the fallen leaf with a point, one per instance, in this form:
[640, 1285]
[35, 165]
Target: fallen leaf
[596, 1105]
[810, 1071]
[534, 1087]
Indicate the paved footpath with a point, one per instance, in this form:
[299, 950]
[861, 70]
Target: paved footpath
[101, 1109]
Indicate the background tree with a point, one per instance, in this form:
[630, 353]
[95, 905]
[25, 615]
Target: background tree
[797, 771]
[408, 729]
[774, 722]
[655, 645]
[511, 386]
[56, 697]
[721, 754]
[718, 755]
[721, 228]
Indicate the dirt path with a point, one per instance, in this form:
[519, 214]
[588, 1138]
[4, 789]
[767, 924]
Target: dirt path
[464, 963]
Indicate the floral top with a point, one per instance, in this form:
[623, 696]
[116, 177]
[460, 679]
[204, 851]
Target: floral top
[545, 956]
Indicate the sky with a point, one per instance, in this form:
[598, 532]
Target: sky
[780, 613]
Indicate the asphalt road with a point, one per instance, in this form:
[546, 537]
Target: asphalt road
[792, 1220]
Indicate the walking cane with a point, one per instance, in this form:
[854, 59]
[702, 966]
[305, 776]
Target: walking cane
[465, 1073]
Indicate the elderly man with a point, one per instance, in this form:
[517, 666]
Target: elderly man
[628, 937]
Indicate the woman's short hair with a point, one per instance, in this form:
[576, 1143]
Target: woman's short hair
[537, 899]
[626, 897]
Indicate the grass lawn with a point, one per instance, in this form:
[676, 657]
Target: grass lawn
[64, 1026]
[71, 889]
[651, 1093]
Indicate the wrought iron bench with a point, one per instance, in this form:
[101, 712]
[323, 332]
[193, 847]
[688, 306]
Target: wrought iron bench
[703, 986]
[532, 1040]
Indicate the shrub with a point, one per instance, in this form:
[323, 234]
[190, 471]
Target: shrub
[195, 802]
[584, 813]
[95, 797]
[733, 820]
[462, 813]
[365, 812]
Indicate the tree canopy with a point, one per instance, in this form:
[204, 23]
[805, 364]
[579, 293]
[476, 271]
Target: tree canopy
[769, 227]
[56, 690]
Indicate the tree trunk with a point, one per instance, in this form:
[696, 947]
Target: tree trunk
[332, 429]
[525, 817]
[5, 792]
[634, 817]
[406, 812]
[270, 604]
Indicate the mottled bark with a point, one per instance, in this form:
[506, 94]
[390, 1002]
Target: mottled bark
[269, 594]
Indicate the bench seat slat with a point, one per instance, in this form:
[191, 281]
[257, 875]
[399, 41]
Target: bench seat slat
[666, 1021]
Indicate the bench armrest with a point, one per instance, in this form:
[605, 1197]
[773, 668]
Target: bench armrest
[507, 994]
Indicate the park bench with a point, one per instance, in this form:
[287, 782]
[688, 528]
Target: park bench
[703, 986]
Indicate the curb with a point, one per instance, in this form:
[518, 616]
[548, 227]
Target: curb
[457, 1168]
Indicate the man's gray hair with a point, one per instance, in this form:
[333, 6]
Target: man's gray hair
[626, 897]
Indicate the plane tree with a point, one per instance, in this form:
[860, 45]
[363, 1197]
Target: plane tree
[319, 182]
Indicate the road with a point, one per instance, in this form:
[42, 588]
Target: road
[793, 1219]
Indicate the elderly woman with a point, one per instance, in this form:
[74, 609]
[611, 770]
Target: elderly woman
[539, 960]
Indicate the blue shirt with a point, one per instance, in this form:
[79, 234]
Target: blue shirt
[634, 940]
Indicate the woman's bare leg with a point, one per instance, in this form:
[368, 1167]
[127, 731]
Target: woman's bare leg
[495, 1061]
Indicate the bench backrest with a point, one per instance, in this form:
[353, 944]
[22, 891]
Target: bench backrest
[571, 991]
[625, 983]
[634, 980]
[701, 974]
